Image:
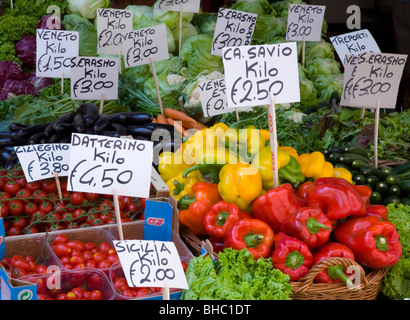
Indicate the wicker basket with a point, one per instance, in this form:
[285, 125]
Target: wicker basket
[368, 289]
[305, 288]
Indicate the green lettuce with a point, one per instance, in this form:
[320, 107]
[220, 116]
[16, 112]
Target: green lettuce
[187, 30]
[87, 32]
[170, 18]
[236, 275]
[267, 28]
[140, 12]
[308, 93]
[329, 85]
[259, 7]
[86, 8]
[396, 282]
[282, 7]
[205, 22]
[321, 66]
[321, 49]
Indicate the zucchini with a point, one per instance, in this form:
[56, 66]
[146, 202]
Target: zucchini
[354, 173]
[375, 198]
[334, 149]
[382, 187]
[358, 164]
[394, 190]
[334, 158]
[403, 168]
[372, 180]
[392, 179]
[391, 199]
[369, 170]
[404, 185]
[405, 201]
[348, 158]
[384, 172]
[356, 149]
[341, 165]
[359, 179]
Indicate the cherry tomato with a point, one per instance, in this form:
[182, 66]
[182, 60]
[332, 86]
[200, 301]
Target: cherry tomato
[76, 244]
[120, 284]
[95, 295]
[113, 258]
[39, 196]
[41, 269]
[23, 194]
[104, 264]
[46, 206]
[11, 187]
[77, 259]
[65, 259]
[78, 292]
[49, 185]
[20, 222]
[104, 246]
[91, 196]
[143, 292]
[33, 186]
[90, 264]
[99, 256]
[14, 231]
[70, 296]
[61, 296]
[16, 207]
[30, 208]
[87, 254]
[61, 249]
[4, 209]
[77, 198]
[90, 245]
[61, 238]
[30, 230]
[4, 195]
[127, 293]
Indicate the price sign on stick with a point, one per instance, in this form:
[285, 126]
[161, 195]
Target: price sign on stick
[145, 45]
[305, 22]
[377, 77]
[94, 78]
[41, 161]
[102, 164]
[112, 27]
[350, 66]
[176, 5]
[354, 43]
[233, 29]
[213, 98]
[54, 50]
[151, 263]
[252, 72]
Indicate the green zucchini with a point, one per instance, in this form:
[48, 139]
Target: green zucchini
[391, 199]
[369, 170]
[359, 179]
[358, 164]
[342, 165]
[372, 180]
[375, 198]
[404, 185]
[384, 172]
[392, 179]
[331, 150]
[403, 168]
[356, 149]
[394, 190]
[348, 158]
[334, 158]
[382, 187]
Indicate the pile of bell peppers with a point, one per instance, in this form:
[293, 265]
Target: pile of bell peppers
[313, 214]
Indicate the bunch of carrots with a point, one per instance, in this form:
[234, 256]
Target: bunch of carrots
[180, 120]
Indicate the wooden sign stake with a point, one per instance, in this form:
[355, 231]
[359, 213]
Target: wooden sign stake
[237, 114]
[119, 61]
[180, 31]
[165, 291]
[303, 50]
[62, 84]
[273, 140]
[118, 215]
[154, 73]
[362, 111]
[102, 103]
[60, 194]
[376, 134]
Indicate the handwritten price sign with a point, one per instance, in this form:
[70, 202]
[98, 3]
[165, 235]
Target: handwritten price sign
[151, 263]
[252, 72]
[41, 161]
[54, 50]
[176, 5]
[102, 164]
[145, 45]
[377, 77]
[112, 26]
[305, 22]
[93, 77]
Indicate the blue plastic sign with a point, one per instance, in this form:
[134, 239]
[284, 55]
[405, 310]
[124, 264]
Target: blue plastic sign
[158, 221]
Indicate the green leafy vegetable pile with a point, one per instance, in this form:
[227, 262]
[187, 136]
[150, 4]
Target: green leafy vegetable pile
[396, 282]
[236, 275]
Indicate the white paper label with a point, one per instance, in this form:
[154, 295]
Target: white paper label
[305, 22]
[177, 5]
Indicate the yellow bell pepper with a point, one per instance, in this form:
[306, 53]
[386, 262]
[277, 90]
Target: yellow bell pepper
[265, 134]
[327, 171]
[240, 184]
[312, 164]
[290, 150]
[171, 164]
[179, 186]
[343, 173]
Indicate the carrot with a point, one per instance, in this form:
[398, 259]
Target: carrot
[161, 119]
[154, 120]
[177, 125]
[187, 121]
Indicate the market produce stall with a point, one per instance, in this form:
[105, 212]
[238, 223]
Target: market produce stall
[261, 192]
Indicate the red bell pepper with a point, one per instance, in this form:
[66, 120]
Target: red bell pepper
[364, 191]
[221, 217]
[337, 198]
[374, 243]
[205, 195]
[333, 274]
[378, 210]
[309, 225]
[291, 256]
[277, 205]
[304, 189]
[253, 234]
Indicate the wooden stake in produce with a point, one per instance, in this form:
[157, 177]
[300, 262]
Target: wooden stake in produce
[303, 50]
[118, 215]
[180, 31]
[62, 83]
[237, 114]
[60, 194]
[273, 140]
[154, 73]
[376, 133]
[102, 103]
[165, 291]
[362, 111]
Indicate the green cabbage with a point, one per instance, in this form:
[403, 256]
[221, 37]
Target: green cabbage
[268, 28]
[196, 52]
[205, 22]
[170, 18]
[188, 30]
[321, 66]
[235, 276]
[138, 75]
[86, 8]
[140, 12]
[260, 7]
[282, 7]
[321, 49]
[329, 86]
[87, 33]
[308, 93]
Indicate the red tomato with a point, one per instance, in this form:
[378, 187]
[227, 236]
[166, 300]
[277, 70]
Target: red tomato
[90, 245]
[105, 217]
[78, 292]
[65, 259]
[11, 187]
[104, 246]
[61, 238]
[46, 206]
[91, 196]
[90, 264]
[76, 244]
[79, 215]
[113, 258]
[106, 205]
[104, 264]
[120, 284]
[99, 256]
[39, 196]
[70, 296]
[61, 296]
[20, 222]
[30, 230]
[79, 266]
[21, 264]
[87, 254]
[61, 249]
[63, 185]
[33, 186]
[49, 185]
[30, 208]
[76, 252]
[4, 209]
[4, 195]
[127, 293]
[86, 294]
[95, 295]
[77, 259]
[38, 215]
[14, 231]
[23, 193]
[41, 269]
[143, 292]
[16, 207]
[77, 198]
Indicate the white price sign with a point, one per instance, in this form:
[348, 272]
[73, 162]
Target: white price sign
[151, 263]
[54, 50]
[41, 161]
[376, 78]
[112, 27]
[305, 22]
[233, 29]
[102, 164]
[177, 5]
[94, 78]
[213, 98]
[354, 43]
[252, 72]
[145, 45]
